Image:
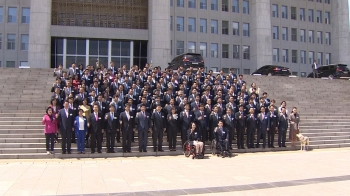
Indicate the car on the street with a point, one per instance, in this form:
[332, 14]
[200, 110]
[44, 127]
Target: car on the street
[333, 71]
[272, 70]
[187, 60]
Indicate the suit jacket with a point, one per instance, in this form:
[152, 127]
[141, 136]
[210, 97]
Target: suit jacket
[295, 119]
[282, 122]
[214, 120]
[193, 136]
[186, 120]
[126, 125]
[158, 121]
[143, 121]
[96, 126]
[204, 122]
[273, 120]
[194, 106]
[66, 91]
[229, 122]
[263, 124]
[112, 123]
[173, 123]
[66, 123]
[77, 125]
[71, 73]
[252, 123]
[58, 73]
[221, 134]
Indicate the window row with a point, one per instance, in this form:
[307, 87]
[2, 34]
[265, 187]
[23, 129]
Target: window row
[320, 18]
[320, 36]
[225, 52]
[12, 64]
[12, 15]
[226, 5]
[11, 40]
[325, 1]
[283, 55]
[214, 26]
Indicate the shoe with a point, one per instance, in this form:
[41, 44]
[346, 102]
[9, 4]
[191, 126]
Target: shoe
[263, 147]
[63, 152]
[160, 150]
[129, 151]
[69, 152]
[82, 152]
[231, 148]
[174, 149]
[124, 151]
[272, 147]
[140, 150]
[284, 146]
[48, 152]
[242, 148]
[239, 147]
[92, 152]
[52, 152]
[99, 151]
[112, 151]
[118, 141]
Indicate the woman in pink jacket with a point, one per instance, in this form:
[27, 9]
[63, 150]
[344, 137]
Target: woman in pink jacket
[49, 120]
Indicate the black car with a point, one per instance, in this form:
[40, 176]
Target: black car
[332, 71]
[187, 60]
[272, 70]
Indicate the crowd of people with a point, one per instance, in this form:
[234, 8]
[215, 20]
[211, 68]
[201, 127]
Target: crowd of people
[96, 102]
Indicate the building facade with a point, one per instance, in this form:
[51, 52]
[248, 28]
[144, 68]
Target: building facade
[241, 34]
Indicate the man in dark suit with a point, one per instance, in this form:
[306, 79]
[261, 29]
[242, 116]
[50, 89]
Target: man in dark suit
[95, 123]
[229, 124]
[195, 104]
[66, 120]
[213, 121]
[112, 125]
[201, 123]
[263, 127]
[222, 136]
[143, 122]
[126, 121]
[158, 128]
[282, 128]
[273, 127]
[251, 122]
[240, 126]
[185, 120]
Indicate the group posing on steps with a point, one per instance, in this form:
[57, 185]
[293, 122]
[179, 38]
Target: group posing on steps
[96, 102]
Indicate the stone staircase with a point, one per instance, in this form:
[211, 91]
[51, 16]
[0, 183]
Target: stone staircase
[25, 94]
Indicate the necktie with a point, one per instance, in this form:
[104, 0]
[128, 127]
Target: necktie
[127, 115]
[143, 114]
[112, 116]
[228, 117]
[70, 106]
[67, 113]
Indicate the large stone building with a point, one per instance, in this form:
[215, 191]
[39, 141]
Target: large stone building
[244, 34]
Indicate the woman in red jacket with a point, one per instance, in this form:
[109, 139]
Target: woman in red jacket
[49, 120]
[55, 108]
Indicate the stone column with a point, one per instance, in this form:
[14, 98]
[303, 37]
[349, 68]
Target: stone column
[159, 33]
[39, 55]
[261, 44]
[340, 31]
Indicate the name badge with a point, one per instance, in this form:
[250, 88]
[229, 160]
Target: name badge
[147, 116]
[99, 118]
[103, 107]
[53, 118]
[265, 117]
[120, 106]
[70, 114]
[205, 116]
[74, 108]
[84, 119]
[131, 117]
[297, 117]
[132, 108]
[162, 116]
[115, 117]
[191, 115]
[232, 118]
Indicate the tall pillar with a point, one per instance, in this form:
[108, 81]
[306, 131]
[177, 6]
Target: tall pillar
[39, 54]
[159, 32]
[340, 31]
[261, 43]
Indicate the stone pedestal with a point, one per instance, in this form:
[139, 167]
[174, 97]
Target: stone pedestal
[159, 33]
[340, 31]
[261, 43]
[39, 55]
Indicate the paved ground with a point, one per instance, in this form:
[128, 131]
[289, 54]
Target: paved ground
[318, 172]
